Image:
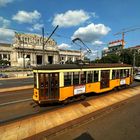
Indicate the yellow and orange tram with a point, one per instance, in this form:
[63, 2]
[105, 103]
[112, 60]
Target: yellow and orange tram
[65, 82]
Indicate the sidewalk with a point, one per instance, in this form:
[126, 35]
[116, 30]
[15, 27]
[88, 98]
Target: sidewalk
[37, 126]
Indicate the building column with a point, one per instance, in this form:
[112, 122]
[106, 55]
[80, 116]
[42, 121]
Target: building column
[66, 58]
[73, 58]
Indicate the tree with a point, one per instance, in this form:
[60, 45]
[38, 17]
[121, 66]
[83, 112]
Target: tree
[126, 56]
[110, 58]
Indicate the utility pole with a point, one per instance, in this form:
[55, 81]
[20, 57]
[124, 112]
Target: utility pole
[134, 59]
[43, 45]
[45, 42]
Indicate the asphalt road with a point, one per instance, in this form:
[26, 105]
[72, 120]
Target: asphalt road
[16, 104]
[12, 96]
[7, 83]
[122, 123]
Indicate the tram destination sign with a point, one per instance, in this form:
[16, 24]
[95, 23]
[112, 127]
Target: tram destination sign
[79, 89]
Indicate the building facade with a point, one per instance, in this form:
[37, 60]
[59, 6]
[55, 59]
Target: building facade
[114, 47]
[27, 50]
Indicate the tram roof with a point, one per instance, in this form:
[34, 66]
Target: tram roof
[78, 66]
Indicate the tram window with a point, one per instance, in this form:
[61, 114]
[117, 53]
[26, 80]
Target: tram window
[67, 78]
[123, 73]
[46, 80]
[96, 75]
[127, 73]
[35, 85]
[76, 78]
[54, 80]
[90, 77]
[113, 74]
[83, 77]
[117, 74]
[41, 80]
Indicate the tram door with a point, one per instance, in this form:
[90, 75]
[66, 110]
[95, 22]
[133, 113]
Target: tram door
[53, 90]
[104, 79]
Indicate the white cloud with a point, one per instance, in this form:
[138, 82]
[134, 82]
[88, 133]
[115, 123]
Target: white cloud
[105, 48]
[36, 27]
[70, 18]
[97, 42]
[26, 17]
[64, 46]
[5, 2]
[4, 23]
[92, 33]
[6, 35]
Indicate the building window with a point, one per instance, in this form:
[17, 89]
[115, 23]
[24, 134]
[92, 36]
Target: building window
[4, 56]
[8, 56]
[0, 56]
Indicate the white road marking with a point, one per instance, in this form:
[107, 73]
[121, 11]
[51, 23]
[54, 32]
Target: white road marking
[14, 102]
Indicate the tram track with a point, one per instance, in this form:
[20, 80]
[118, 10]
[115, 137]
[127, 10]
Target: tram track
[34, 109]
[14, 102]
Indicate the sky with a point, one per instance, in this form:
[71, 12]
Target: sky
[93, 21]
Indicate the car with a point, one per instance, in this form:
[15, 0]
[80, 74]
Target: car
[2, 75]
[137, 76]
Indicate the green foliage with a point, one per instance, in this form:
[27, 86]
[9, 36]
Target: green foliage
[110, 58]
[126, 56]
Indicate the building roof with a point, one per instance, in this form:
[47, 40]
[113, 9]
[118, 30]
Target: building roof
[135, 47]
[5, 44]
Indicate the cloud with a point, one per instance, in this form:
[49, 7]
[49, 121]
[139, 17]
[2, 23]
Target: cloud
[36, 27]
[70, 18]
[4, 23]
[27, 17]
[6, 35]
[64, 46]
[105, 48]
[92, 33]
[98, 42]
[5, 2]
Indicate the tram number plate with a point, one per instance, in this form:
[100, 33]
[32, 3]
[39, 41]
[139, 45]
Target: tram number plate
[79, 89]
[122, 82]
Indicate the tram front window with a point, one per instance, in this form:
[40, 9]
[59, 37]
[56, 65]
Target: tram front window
[35, 85]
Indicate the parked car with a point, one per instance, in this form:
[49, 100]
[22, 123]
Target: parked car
[137, 76]
[2, 75]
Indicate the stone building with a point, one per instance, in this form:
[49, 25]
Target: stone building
[27, 50]
[5, 51]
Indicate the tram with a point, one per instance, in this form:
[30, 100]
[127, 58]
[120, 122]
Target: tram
[67, 82]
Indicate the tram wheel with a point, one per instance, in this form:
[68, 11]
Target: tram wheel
[65, 102]
[83, 97]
